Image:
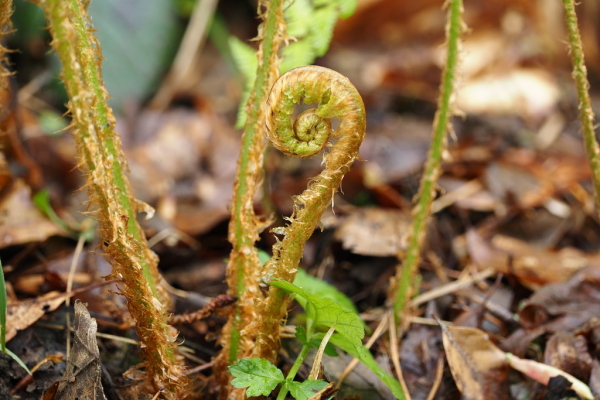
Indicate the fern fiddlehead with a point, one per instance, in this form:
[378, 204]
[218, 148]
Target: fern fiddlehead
[312, 131]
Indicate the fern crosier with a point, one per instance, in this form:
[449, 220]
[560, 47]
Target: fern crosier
[312, 131]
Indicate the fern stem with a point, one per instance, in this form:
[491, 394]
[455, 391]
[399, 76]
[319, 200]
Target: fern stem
[586, 114]
[337, 98]
[244, 266]
[422, 210]
[100, 156]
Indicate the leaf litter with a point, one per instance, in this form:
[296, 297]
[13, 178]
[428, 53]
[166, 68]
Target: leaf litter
[514, 199]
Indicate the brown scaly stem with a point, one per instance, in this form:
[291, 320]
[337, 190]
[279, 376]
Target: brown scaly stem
[336, 98]
[586, 114]
[244, 266]
[98, 147]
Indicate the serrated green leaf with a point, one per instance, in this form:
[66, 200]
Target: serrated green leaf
[297, 16]
[320, 288]
[323, 22]
[256, 374]
[297, 54]
[326, 312]
[307, 389]
[365, 357]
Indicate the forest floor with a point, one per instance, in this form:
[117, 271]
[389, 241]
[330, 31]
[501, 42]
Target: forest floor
[513, 247]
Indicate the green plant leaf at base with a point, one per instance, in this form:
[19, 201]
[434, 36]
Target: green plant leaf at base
[307, 389]
[365, 357]
[320, 288]
[256, 374]
[315, 343]
[326, 312]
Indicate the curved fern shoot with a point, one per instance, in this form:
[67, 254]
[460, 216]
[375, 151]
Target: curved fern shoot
[337, 98]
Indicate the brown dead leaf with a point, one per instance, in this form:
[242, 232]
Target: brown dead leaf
[23, 314]
[82, 377]
[20, 220]
[569, 352]
[564, 306]
[374, 232]
[534, 267]
[479, 367]
[528, 92]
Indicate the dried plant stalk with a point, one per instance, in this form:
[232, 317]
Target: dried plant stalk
[337, 98]
[586, 114]
[100, 156]
[6, 9]
[244, 266]
[402, 286]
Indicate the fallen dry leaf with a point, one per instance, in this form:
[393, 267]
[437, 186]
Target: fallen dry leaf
[374, 232]
[569, 352]
[528, 92]
[534, 267]
[82, 377]
[20, 220]
[479, 367]
[23, 314]
[564, 305]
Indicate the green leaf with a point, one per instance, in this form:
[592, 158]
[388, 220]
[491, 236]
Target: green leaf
[139, 40]
[320, 288]
[18, 360]
[297, 54]
[365, 357]
[301, 335]
[263, 257]
[329, 349]
[241, 114]
[347, 7]
[256, 374]
[323, 22]
[52, 123]
[326, 312]
[306, 389]
[315, 343]
[246, 62]
[42, 201]
[245, 59]
[297, 16]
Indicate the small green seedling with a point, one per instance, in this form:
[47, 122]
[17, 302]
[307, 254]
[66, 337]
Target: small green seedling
[262, 377]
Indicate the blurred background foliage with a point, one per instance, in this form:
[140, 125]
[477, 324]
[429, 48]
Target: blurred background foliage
[138, 37]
